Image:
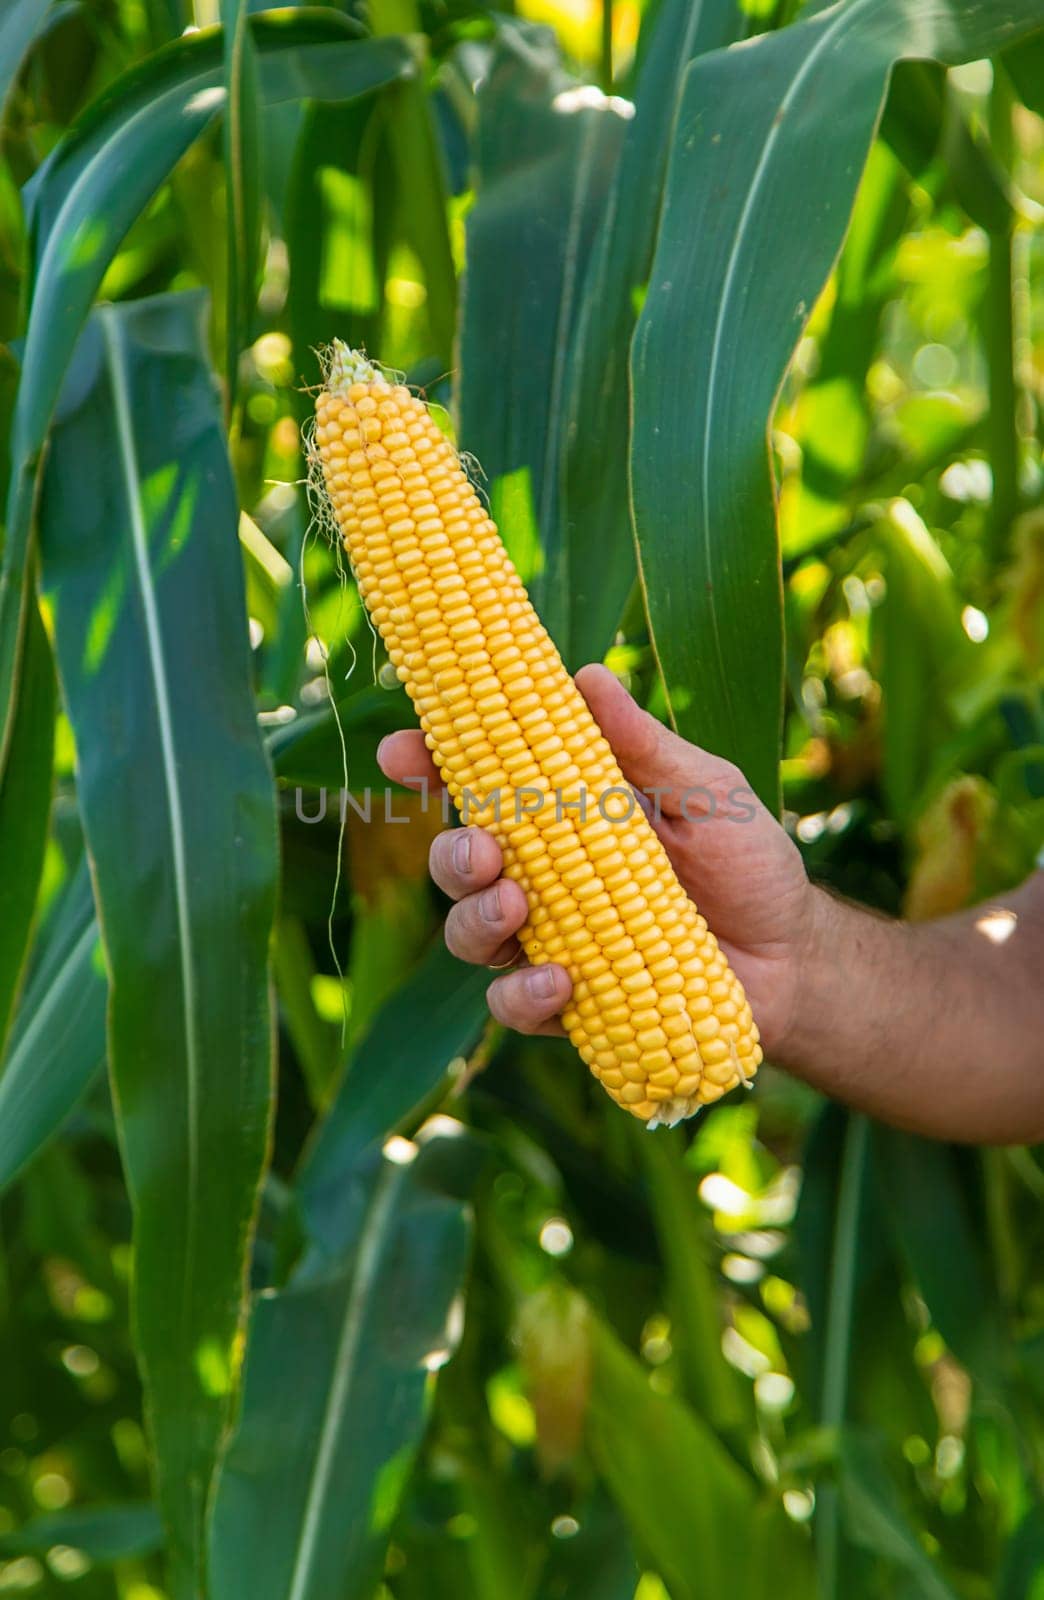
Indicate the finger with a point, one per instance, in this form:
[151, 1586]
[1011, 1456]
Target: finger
[681, 779]
[405, 758]
[530, 1000]
[479, 925]
[463, 860]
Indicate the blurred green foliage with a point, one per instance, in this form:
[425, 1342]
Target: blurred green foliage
[483, 1337]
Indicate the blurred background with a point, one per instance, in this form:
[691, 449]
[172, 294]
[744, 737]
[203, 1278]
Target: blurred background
[500, 1343]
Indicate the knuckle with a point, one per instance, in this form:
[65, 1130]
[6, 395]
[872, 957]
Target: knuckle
[712, 795]
[725, 775]
[514, 907]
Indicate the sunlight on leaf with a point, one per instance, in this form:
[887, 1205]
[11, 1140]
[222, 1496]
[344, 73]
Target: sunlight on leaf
[103, 622]
[511, 507]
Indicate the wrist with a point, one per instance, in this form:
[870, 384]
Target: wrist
[818, 981]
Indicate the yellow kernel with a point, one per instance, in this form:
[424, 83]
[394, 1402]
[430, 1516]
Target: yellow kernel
[652, 1039]
[602, 982]
[619, 1033]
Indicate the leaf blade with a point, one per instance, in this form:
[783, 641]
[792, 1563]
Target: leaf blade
[242, 147]
[57, 1042]
[84, 199]
[434, 1016]
[326, 1486]
[545, 157]
[185, 901]
[595, 500]
[25, 806]
[719, 325]
[687, 1501]
[18, 28]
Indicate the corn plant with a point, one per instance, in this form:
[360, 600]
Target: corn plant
[314, 1282]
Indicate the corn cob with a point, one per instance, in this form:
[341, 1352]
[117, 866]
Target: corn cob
[655, 1012]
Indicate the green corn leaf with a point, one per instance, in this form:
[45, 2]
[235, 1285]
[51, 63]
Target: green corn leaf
[924, 124]
[57, 1043]
[1024, 64]
[931, 1192]
[837, 1332]
[421, 190]
[93, 186]
[323, 1446]
[710, 1384]
[597, 1563]
[19, 26]
[339, 229]
[105, 1534]
[745, 245]
[874, 1518]
[545, 155]
[923, 647]
[1023, 1565]
[314, 1038]
[99, 209]
[434, 1017]
[242, 147]
[833, 415]
[600, 543]
[687, 1502]
[140, 560]
[25, 808]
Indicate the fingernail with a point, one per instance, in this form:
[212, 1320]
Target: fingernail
[381, 746]
[489, 904]
[540, 983]
[462, 852]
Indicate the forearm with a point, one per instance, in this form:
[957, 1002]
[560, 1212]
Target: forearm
[936, 1027]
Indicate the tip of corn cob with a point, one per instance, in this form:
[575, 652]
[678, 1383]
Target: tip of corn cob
[346, 366]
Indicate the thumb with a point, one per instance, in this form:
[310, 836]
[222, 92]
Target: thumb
[689, 781]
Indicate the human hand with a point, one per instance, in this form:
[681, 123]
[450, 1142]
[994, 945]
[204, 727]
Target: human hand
[732, 857]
